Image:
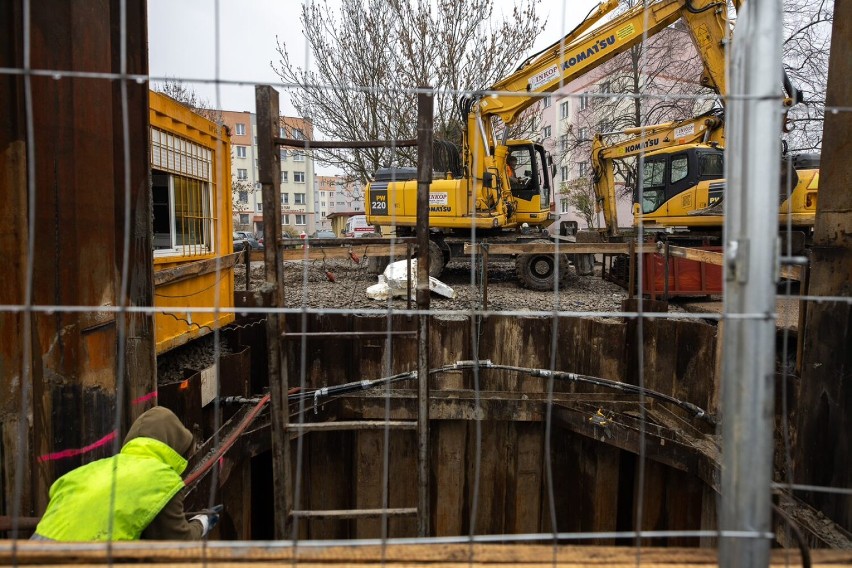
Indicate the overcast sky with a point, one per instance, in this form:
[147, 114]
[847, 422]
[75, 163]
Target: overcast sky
[182, 41]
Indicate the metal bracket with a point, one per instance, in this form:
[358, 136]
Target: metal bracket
[736, 261]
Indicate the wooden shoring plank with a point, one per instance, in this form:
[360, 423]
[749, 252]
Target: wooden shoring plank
[235, 495]
[225, 554]
[341, 252]
[684, 502]
[486, 474]
[369, 479]
[353, 425]
[450, 449]
[402, 482]
[528, 478]
[653, 492]
[718, 259]
[355, 513]
[329, 471]
[710, 257]
[601, 482]
[561, 248]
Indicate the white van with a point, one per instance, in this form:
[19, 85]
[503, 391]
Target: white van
[356, 226]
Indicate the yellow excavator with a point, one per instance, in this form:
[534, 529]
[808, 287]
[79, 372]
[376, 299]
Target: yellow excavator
[683, 180]
[481, 194]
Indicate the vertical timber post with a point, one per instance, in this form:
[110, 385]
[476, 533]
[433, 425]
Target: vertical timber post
[269, 168]
[424, 179]
[751, 262]
[823, 451]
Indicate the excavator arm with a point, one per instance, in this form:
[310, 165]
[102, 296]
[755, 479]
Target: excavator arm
[576, 55]
[579, 52]
[706, 129]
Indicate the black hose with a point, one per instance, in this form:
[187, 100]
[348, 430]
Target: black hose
[333, 391]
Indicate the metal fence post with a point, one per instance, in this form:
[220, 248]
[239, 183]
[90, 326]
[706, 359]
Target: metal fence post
[751, 229]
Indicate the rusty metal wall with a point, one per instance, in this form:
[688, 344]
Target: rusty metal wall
[76, 228]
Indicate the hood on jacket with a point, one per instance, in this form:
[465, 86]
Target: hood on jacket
[163, 425]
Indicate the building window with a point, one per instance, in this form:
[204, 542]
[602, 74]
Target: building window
[584, 101]
[182, 196]
[282, 132]
[564, 172]
[298, 156]
[563, 206]
[299, 177]
[546, 101]
[285, 220]
[283, 154]
[285, 199]
[244, 219]
[242, 174]
[243, 197]
[547, 132]
[241, 129]
[606, 87]
[300, 198]
[300, 219]
[259, 206]
[183, 221]
[563, 142]
[563, 109]
[583, 133]
[584, 169]
[298, 134]
[284, 176]
[322, 203]
[241, 151]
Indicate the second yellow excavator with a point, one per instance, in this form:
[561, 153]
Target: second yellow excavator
[682, 180]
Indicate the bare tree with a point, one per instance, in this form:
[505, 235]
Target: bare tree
[807, 29]
[176, 89]
[580, 194]
[371, 55]
[652, 82]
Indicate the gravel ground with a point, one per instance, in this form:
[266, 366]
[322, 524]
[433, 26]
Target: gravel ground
[197, 355]
[308, 284]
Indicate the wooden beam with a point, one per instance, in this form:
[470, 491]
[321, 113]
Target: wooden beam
[352, 425]
[718, 259]
[197, 268]
[552, 248]
[212, 553]
[325, 253]
[710, 257]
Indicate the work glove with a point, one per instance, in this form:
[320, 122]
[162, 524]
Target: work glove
[208, 519]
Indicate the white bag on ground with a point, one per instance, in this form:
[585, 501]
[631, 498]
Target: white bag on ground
[394, 282]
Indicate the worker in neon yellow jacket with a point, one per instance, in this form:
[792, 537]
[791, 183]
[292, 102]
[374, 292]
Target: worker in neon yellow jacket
[143, 483]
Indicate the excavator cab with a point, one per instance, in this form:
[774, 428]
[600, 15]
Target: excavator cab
[532, 184]
[677, 181]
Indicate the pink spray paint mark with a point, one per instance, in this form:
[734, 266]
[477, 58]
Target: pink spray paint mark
[78, 451]
[145, 397]
[64, 454]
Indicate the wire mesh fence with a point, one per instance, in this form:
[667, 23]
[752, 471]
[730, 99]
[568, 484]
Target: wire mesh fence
[572, 387]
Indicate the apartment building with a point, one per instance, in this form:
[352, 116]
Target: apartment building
[298, 213]
[325, 188]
